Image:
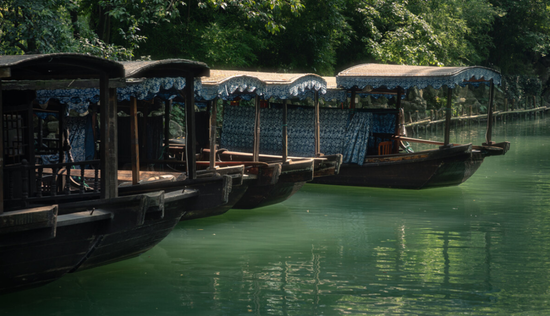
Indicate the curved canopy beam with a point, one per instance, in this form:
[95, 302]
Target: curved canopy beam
[57, 66]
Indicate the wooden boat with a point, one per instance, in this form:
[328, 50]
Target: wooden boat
[377, 161]
[266, 185]
[56, 219]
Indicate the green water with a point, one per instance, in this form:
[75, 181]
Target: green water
[477, 249]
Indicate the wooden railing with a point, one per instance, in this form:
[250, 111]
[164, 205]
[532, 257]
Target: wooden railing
[27, 184]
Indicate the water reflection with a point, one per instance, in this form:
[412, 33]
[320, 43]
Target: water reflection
[479, 248]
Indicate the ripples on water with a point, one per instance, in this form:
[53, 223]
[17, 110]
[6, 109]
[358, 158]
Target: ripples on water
[479, 248]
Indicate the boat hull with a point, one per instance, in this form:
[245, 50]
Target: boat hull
[430, 169]
[264, 195]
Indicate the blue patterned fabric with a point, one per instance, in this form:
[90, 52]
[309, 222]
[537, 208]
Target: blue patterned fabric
[357, 137]
[79, 99]
[333, 124]
[338, 134]
[238, 128]
[303, 87]
[234, 85]
[80, 137]
[301, 132]
[271, 131]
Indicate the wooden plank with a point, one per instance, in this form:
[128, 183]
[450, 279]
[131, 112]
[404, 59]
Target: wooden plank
[27, 219]
[190, 133]
[317, 126]
[127, 175]
[134, 140]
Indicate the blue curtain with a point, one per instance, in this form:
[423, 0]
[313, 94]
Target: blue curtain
[357, 137]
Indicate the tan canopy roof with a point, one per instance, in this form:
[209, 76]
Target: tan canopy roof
[225, 83]
[391, 76]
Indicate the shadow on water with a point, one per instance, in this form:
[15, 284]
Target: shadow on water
[479, 248]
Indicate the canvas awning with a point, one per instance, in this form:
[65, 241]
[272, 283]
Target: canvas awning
[228, 84]
[393, 76]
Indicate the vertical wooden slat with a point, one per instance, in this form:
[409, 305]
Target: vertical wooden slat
[213, 123]
[285, 130]
[488, 134]
[134, 140]
[190, 136]
[1, 152]
[109, 160]
[167, 108]
[448, 116]
[256, 150]
[317, 126]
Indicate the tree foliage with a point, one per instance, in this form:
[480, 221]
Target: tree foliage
[287, 35]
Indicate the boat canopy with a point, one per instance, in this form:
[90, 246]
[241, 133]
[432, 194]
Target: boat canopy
[59, 66]
[144, 81]
[373, 76]
[229, 84]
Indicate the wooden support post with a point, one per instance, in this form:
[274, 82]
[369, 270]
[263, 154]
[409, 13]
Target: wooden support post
[448, 116]
[109, 159]
[190, 133]
[285, 130]
[505, 104]
[395, 147]
[167, 109]
[317, 126]
[490, 115]
[352, 100]
[213, 124]
[256, 146]
[62, 128]
[1, 152]
[134, 140]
